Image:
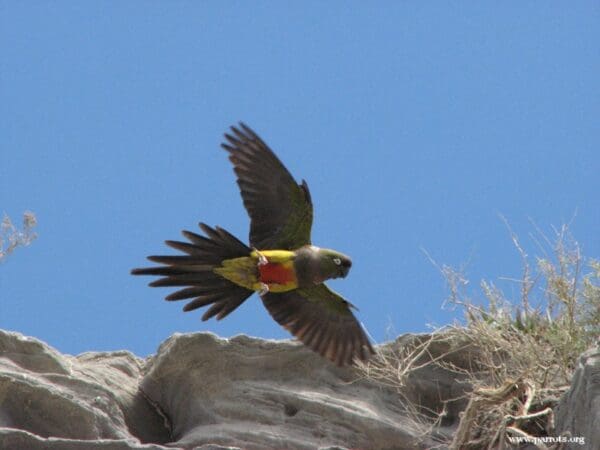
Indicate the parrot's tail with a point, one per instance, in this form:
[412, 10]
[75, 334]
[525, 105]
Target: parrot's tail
[195, 271]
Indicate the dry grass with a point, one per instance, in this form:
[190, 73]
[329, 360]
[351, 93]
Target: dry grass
[521, 357]
[11, 237]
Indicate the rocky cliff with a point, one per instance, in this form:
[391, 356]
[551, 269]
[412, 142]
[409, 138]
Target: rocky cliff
[578, 413]
[203, 392]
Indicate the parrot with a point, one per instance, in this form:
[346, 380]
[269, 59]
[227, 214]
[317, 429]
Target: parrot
[280, 263]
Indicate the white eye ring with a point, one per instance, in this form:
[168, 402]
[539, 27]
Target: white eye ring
[337, 261]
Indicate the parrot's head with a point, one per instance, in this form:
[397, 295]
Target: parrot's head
[333, 264]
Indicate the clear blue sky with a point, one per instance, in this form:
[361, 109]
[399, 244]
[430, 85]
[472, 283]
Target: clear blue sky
[414, 123]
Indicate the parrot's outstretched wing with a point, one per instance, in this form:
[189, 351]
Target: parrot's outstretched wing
[322, 320]
[280, 209]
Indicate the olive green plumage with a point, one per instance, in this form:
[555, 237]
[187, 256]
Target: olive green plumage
[221, 271]
[280, 210]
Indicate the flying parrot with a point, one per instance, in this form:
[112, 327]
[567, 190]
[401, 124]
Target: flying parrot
[281, 264]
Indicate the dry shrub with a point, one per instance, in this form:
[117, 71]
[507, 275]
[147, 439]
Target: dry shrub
[518, 356]
[423, 369]
[11, 237]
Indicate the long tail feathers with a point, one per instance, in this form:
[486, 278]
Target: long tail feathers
[195, 271]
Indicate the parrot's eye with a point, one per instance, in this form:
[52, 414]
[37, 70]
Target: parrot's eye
[337, 261]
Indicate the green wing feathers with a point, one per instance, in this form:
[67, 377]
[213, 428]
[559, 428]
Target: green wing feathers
[323, 321]
[280, 210]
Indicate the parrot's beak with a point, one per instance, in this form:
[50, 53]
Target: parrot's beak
[345, 267]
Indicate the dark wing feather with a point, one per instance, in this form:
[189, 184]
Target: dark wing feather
[194, 271]
[322, 320]
[280, 209]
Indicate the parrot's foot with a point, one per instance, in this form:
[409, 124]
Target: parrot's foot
[262, 259]
[264, 288]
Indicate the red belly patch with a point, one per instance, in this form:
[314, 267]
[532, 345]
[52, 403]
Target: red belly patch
[274, 273]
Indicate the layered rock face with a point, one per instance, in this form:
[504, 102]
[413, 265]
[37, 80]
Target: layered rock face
[203, 392]
[578, 413]
[199, 391]
[49, 400]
